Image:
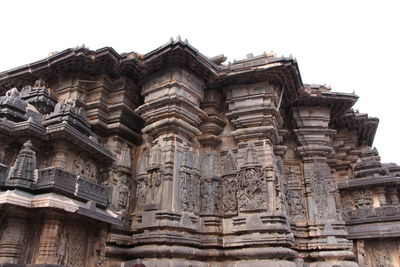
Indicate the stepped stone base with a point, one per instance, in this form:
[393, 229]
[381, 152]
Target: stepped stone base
[187, 263]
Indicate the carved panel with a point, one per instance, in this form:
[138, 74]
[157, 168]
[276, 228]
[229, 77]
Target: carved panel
[379, 253]
[210, 188]
[252, 189]
[149, 191]
[210, 197]
[229, 185]
[281, 187]
[99, 247]
[121, 192]
[385, 211]
[295, 194]
[229, 198]
[323, 188]
[363, 198]
[75, 251]
[85, 168]
[189, 192]
[347, 205]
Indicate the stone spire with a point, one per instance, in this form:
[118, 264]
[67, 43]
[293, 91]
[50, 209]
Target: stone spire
[23, 172]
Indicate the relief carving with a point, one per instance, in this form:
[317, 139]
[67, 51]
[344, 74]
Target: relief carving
[323, 189]
[318, 186]
[229, 199]
[379, 254]
[122, 193]
[210, 188]
[99, 248]
[72, 245]
[281, 188]
[251, 183]
[252, 189]
[295, 197]
[189, 185]
[149, 184]
[229, 186]
[210, 197]
[148, 190]
[85, 168]
[347, 205]
[76, 247]
[363, 198]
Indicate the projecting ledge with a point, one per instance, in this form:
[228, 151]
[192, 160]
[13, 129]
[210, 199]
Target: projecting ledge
[374, 230]
[160, 251]
[52, 200]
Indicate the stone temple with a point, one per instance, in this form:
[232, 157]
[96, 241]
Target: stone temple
[173, 158]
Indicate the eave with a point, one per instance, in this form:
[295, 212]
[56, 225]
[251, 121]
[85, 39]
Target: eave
[72, 60]
[366, 126]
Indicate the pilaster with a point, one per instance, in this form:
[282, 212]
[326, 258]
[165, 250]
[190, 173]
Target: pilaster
[211, 183]
[48, 243]
[328, 242]
[253, 111]
[13, 233]
[168, 179]
[60, 155]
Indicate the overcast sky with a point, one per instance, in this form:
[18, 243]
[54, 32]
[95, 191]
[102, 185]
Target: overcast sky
[350, 45]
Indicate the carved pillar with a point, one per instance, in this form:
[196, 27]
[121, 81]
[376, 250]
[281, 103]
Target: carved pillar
[253, 112]
[11, 241]
[60, 157]
[381, 192]
[47, 250]
[172, 115]
[326, 230]
[211, 183]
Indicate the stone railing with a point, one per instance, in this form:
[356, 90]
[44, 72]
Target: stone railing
[69, 184]
[90, 190]
[371, 214]
[56, 179]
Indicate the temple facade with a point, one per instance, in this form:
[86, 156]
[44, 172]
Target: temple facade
[173, 158]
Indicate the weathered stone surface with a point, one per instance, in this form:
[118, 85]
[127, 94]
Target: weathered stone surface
[175, 159]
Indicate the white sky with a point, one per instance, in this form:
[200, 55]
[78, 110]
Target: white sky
[350, 45]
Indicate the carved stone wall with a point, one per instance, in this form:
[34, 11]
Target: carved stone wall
[174, 159]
